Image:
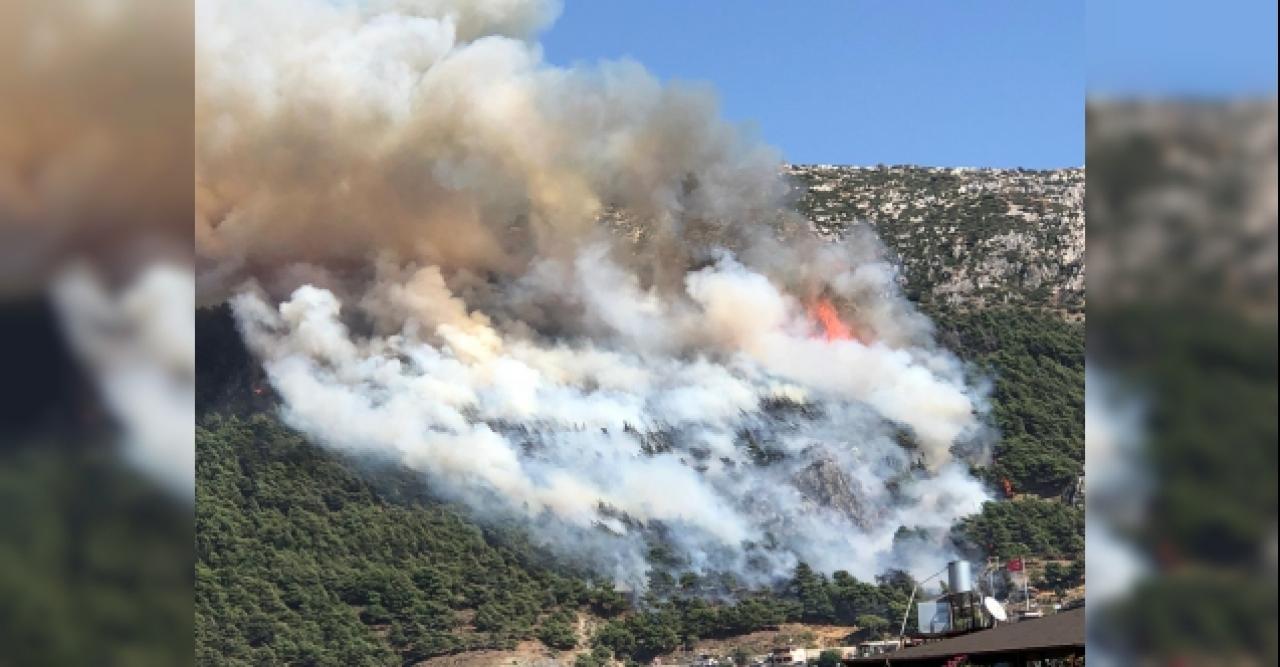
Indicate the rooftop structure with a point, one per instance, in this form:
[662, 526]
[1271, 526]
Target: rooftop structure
[1056, 636]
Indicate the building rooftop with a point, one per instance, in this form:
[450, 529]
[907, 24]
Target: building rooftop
[1060, 631]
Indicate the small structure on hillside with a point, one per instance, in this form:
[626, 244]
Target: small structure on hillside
[873, 648]
[791, 655]
[785, 655]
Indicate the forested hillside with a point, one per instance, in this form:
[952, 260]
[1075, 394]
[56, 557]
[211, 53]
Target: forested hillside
[306, 558]
[302, 560]
[1036, 361]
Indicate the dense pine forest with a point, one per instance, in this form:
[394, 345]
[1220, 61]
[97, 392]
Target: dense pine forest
[302, 559]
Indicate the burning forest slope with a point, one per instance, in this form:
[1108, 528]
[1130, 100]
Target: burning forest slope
[701, 401]
[995, 257]
[316, 558]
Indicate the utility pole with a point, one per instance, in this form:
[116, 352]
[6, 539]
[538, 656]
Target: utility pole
[1026, 596]
[991, 578]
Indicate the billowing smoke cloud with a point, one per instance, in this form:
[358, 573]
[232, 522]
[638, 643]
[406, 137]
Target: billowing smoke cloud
[719, 415]
[433, 131]
[95, 204]
[95, 149]
[570, 297]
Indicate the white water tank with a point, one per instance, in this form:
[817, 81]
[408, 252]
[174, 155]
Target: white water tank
[959, 577]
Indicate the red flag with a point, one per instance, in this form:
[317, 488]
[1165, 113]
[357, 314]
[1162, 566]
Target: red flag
[1015, 565]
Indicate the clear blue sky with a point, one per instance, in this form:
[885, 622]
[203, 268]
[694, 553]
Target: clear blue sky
[1181, 47]
[936, 82]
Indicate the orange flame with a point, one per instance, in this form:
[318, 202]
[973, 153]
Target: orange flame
[833, 328]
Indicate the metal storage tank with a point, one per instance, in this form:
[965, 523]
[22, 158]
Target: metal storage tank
[959, 577]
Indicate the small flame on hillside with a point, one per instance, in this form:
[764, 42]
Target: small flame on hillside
[826, 316]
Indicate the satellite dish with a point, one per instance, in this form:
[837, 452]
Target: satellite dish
[994, 608]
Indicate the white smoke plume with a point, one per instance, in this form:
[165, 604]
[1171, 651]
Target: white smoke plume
[138, 343]
[1119, 486]
[406, 204]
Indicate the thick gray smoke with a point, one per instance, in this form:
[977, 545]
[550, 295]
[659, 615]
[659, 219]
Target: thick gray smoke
[416, 201]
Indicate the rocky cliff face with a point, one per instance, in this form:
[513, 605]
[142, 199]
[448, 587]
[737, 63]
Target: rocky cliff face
[966, 238]
[963, 238]
[824, 484]
[1183, 203]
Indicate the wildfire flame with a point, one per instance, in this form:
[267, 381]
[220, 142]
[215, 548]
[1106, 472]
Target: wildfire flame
[824, 313]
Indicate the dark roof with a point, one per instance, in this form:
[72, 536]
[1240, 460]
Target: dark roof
[1056, 631]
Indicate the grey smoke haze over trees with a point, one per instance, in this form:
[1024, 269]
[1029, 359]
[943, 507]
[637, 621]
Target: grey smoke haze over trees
[401, 201]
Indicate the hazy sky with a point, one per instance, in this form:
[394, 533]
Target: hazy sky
[990, 83]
